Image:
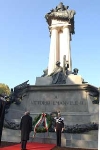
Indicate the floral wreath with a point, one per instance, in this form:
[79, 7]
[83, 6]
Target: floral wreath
[46, 118]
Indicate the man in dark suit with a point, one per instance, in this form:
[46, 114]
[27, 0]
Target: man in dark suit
[26, 128]
[59, 127]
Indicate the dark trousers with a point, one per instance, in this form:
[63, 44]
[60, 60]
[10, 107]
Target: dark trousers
[58, 132]
[23, 144]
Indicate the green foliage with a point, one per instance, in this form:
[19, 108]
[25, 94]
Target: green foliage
[4, 89]
[36, 119]
[41, 129]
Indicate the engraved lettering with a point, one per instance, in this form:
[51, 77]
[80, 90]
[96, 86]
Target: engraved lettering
[76, 102]
[58, 102]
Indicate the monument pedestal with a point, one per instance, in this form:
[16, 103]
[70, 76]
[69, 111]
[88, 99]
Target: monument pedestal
[70, 80]
[74, 103]
[86, 140]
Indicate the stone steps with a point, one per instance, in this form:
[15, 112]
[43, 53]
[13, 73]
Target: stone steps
[11, 135]
[81, 144]
[82, 140]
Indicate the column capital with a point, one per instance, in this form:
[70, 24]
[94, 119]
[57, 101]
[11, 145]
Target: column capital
[66, 26]
[53, 27]
[59, 25]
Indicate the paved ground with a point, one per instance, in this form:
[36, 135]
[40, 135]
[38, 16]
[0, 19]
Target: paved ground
[4, 144]
[64, 148]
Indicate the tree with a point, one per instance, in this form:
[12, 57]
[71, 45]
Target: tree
[4, 89]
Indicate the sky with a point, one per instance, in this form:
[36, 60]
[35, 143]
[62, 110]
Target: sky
[25, 41]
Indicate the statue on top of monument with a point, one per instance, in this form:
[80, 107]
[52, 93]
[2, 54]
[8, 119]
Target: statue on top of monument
[57, 69]
[65, 66]
[58, 76]
[75, 71]
[61, 12]
[45, 72]
[61, 7]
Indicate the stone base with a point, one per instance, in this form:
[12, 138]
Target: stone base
[73, 101]
[86, 140]
[75, 105]
[70, 80]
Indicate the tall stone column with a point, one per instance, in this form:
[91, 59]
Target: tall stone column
[67, 50]
[54, 50]
[61, 47]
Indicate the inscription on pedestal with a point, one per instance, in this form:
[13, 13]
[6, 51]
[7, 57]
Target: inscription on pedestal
[65, 101]
[57, 102]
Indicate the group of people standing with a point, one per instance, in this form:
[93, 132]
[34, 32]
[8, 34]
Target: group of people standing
[26, 128]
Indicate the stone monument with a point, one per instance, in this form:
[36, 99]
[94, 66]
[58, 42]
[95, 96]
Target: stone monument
[59, 89]
[61, 27]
